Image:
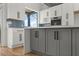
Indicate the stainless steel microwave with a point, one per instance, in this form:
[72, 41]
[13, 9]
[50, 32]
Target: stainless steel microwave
[56, 20]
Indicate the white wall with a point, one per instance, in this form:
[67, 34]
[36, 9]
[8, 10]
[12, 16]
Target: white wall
[4, 25]
[33, 6]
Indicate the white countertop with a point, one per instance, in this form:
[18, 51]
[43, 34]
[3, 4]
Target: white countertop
[15, 28]
[53, 27]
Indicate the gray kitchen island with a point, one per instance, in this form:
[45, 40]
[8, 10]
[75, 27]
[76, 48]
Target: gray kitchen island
[52, 40]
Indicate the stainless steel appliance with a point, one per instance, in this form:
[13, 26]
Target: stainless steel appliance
[56, 20]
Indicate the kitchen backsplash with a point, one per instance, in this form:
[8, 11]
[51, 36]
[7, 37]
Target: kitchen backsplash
[15, 23]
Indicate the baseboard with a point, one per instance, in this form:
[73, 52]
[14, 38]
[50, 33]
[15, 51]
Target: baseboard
[38, 53]
[27, 51]
[16, 45]
[3, 45]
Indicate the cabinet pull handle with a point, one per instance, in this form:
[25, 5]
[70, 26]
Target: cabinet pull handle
[20, 37]
[57, 35]
[67, 15]
[36, 34]
[54, 35]
[47, 14]
[18, 14]
[55, 13]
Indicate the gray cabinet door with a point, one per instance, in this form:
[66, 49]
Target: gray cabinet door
[38, 40]
[52, 45]
[59, 46]
[34, 39]
[64, 37]
[41, 40]
[75, 42]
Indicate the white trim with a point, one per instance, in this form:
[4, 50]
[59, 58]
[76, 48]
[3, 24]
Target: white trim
[30, 9]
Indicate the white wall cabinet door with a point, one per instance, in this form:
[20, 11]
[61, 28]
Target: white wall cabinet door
[55, 11]
[18, 38]
[44, 16]
[11, 11]
[14, 11]
[76, 6]
[15, 38]
[67, 14]
[52, 12]
[59, 10]
[22, 15]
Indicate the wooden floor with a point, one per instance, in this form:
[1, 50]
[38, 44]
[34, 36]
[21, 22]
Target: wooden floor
[4, 51]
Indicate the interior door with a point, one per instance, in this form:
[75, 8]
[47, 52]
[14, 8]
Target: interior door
[65, 42]
[52, 44]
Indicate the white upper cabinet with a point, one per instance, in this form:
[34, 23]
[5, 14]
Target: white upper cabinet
[14, 11]
[55, 11]
[67, 14]
[65, 10]
[44, 16]
[76, 13]
[76, 6]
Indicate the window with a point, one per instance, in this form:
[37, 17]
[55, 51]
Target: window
[31, 19]
[26, 20]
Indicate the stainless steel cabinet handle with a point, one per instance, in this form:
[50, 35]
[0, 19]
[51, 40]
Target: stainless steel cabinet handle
[67, 15]
[47, 14]
[57, 35]
[54, 35]
[55, 13]
[20, 37]
[18, 14]
[36, 34]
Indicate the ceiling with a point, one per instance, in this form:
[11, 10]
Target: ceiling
[42, 6]
[52, 4]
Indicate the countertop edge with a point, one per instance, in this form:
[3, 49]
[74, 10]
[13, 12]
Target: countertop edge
[52, 27]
